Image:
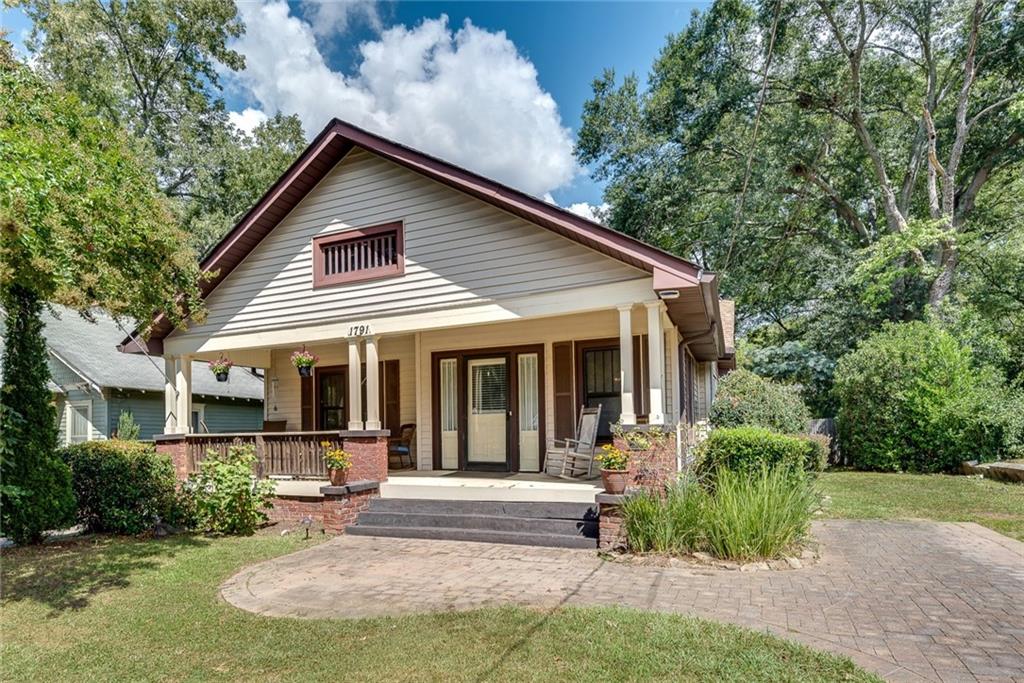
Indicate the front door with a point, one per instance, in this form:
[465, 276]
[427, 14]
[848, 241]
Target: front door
[487, 403]
[332, 390]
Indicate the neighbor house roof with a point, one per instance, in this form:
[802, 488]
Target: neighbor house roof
[90, 350]
[339, 137]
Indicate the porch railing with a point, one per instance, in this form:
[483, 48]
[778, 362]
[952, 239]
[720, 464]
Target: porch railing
[295, 454]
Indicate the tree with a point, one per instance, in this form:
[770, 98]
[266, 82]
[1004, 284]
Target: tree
[155, 70]
[823, 154]
[82, 223]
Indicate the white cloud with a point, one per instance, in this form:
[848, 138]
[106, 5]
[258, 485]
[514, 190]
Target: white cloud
[328, 17]
[597, 213]
[247, 119]
[465, 95]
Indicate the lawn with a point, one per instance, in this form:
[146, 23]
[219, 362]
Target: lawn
[116, 609]
[942, 497]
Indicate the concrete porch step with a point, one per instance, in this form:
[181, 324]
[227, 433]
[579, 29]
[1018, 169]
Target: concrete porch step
[539, 509]
[431, 520]
[478, 535]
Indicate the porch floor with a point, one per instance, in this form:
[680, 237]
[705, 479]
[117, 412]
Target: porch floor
[449, 485]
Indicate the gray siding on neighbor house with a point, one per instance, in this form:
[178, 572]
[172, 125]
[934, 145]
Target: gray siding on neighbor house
[148, 412]
[99, 412]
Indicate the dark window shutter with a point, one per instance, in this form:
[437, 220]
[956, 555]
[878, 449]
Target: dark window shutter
[390, 404]
[565, 402]
[307, 402]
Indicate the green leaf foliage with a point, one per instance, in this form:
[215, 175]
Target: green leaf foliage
[225, 495]
[36, 495]
[122, 487]
[793, 362]
[127, 427]
[912, 399]
[745, 398]
[748, 449]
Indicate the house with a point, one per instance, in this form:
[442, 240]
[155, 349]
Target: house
[438, 298]
[92, 384]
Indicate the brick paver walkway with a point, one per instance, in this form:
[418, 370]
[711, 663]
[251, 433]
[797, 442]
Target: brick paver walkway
[909, 600]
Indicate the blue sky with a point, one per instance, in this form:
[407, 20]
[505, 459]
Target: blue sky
[464, 91]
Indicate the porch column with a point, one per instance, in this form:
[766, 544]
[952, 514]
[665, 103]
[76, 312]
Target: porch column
[628, 416]
[183, 380]
[170, 395]
[372, 388]
[355, 385]
[656, 362]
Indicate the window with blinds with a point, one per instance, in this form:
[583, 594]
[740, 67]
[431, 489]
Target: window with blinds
[488, 388]
[363, 254]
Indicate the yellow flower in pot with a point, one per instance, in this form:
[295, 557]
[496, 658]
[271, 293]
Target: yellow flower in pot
[614, 468]
[338, 461]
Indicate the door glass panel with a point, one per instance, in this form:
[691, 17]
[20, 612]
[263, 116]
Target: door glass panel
[332, 400]
[488, 402]
[529, 412]
[602, 386]
[449, 413]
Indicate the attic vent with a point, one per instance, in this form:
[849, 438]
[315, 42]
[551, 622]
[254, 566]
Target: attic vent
[361, 254]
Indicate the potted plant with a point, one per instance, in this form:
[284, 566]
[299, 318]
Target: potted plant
[614, 469]
[304, 361]
[338, 461]
[220, 368]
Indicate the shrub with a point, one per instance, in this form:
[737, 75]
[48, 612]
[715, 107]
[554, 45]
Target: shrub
[911, 399]
[669, 524]
[127, 427]
[122, 487]
[745, 399]
[226, 498]
[36, 495]
[757, 515]
[748, 449]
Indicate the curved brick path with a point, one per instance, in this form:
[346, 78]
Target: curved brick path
[909, 600]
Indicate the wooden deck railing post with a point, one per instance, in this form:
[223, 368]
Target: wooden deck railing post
[261, 454]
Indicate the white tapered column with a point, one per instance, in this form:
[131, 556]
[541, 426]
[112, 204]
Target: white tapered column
[170, 395]
[628, 416]
[183, 381]
[355, 385]
[656, 362]
[372, 385]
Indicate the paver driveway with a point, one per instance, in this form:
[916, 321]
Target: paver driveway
[909, 600]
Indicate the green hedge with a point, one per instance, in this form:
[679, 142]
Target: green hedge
[746, 399]
[749, 449]
[913, 399]
[121, 486]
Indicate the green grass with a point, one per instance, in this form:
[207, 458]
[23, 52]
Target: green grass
[942, 497]
[115, 609]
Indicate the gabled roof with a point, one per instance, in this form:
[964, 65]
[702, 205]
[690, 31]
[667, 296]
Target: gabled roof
[339, 137]
[90, 350]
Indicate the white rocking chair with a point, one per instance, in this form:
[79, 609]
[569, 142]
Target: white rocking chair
[574, 458]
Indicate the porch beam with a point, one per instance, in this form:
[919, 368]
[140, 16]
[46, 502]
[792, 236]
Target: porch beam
[372, 385]
[170, 395]
[355, 384]
[628, 415]
[183, 382]
[655, 362]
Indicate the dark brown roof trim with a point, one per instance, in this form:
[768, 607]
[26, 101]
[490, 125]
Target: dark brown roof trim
[336, 140]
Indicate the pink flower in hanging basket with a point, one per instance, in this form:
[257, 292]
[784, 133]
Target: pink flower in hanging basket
[303, 358]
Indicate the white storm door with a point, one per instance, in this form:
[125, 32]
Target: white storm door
[487, 408]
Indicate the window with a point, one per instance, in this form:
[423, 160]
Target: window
[199, 419]
[488, 387]
[79, 421]
[362, 254]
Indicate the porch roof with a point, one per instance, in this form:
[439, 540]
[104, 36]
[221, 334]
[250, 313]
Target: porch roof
[339, 137]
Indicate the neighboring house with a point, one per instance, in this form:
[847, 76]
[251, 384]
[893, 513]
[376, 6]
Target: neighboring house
[92, 383]
[484, 316]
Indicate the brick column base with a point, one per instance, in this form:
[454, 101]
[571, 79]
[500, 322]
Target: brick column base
[611, 532]
[174, 446]
[369, 451]
[342, 504]
[652, 454]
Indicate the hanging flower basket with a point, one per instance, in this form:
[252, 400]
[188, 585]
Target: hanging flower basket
[304, 361]
[220, 368]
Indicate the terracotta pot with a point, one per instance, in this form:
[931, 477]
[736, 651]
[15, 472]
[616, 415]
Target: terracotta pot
[615, 481]
[305, 371]
[222, 376]
[339, 477]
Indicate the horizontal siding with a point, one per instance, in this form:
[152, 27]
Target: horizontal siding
[459, 251]
[148, 413]
[234, 417]
[99, 412]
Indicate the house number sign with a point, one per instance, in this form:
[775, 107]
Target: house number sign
[360, 330]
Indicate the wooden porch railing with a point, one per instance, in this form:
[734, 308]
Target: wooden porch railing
[296, 454]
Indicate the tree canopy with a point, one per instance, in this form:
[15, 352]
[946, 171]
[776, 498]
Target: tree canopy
[839, 162]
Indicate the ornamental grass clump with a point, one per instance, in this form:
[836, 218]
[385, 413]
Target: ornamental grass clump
[757, 515]
[669, 524]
